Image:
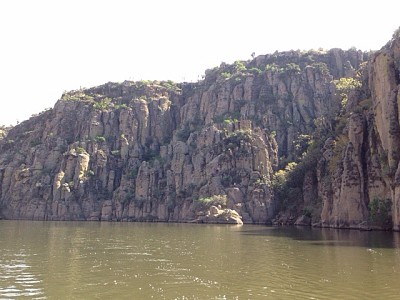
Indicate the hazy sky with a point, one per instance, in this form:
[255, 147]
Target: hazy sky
[48, 46]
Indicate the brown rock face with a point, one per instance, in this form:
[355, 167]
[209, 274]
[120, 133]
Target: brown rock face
[134, 151]
[363, 191]
[307, 136]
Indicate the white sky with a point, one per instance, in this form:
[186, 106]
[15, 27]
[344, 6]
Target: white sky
[48, 46]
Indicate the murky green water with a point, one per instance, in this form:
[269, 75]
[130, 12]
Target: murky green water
[77, 260]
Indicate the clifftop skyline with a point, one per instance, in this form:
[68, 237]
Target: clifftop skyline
[49, 48]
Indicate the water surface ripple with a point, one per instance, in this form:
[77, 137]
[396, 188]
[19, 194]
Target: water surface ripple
[80, 260]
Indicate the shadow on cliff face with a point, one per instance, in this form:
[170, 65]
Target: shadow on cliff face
[331, 237]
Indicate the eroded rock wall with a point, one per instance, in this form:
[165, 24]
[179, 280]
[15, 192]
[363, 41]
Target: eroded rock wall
[360, 189]
[159, 151]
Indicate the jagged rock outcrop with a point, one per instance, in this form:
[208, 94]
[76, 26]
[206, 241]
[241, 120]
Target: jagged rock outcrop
[139, 159]
[362, 190]
[220, 216]
[293, 137]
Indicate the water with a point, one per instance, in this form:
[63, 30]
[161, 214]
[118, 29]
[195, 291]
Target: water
[82, 260]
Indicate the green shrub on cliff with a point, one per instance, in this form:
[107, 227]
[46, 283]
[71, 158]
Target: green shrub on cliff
[308, 211]
[80, 150]
[170, 85]
[285, 186]
[272, 67]
[239, 66]
[288, 182]
[100, 139]
[205, 203]
[255, 71]
[346, 85]
[322, 67]
[102, 104]
[380, 212]
[292, 68]
[226, 75]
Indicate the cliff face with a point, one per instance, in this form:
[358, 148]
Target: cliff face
[150, 157]
[307, 136]
[364, 184]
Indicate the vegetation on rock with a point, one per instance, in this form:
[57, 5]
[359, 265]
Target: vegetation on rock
[282, 136]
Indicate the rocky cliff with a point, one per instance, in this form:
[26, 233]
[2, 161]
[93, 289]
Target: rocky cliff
[308, 137]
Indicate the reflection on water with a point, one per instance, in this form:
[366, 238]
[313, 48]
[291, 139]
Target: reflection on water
[16, 278]
[326, 236]
[73, 260]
